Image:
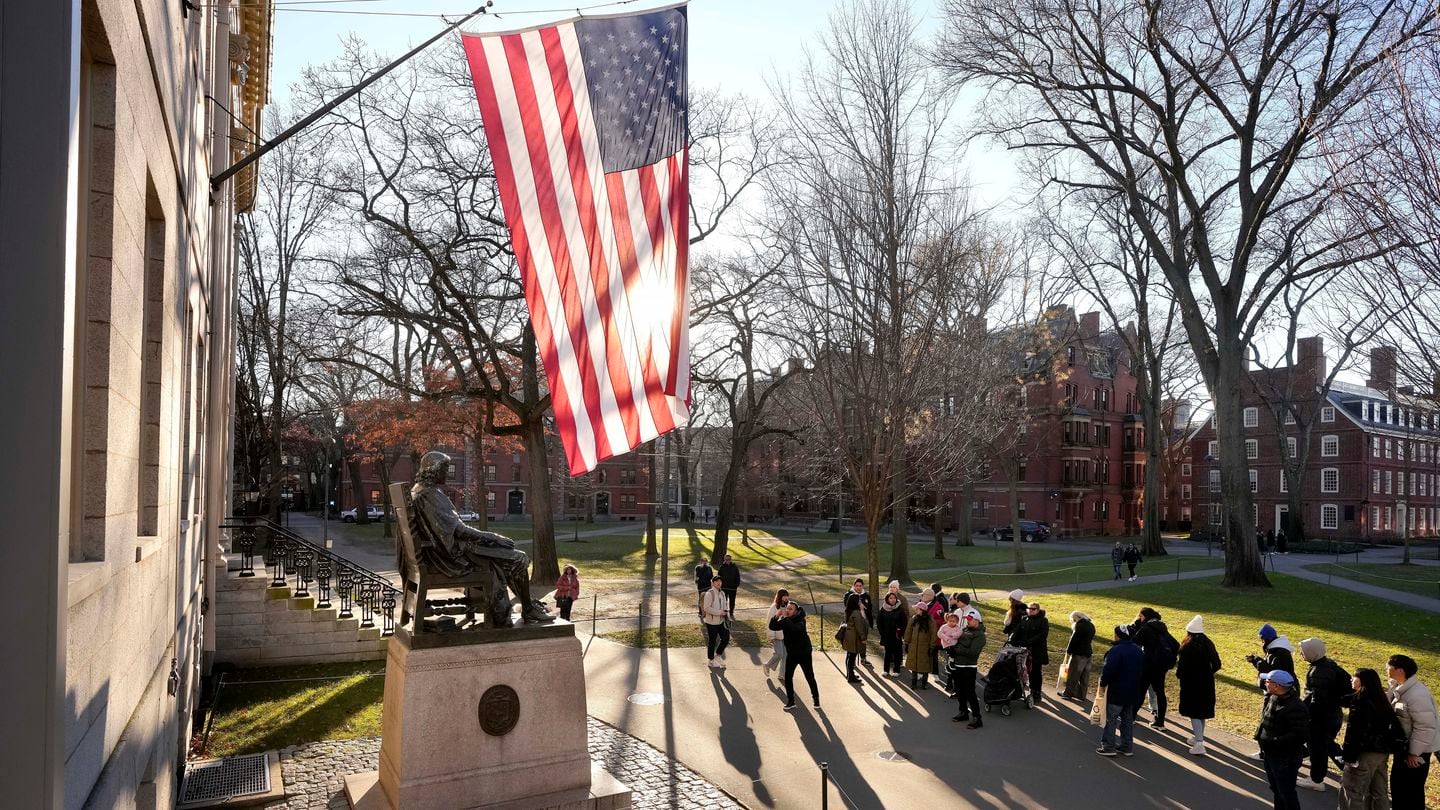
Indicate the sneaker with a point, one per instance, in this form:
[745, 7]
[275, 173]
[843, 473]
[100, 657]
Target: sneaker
[976, 723]
[1318, 787]
[711, 663]
[1198, 749]
[1258, 756]
[719, 662]
[1126, 752]
[1106, 752]
[960, 718]
[817, 703]
[789, 707]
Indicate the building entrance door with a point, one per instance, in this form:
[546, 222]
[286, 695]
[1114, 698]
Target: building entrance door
[602, 504]
[1282, 514]
[515, 502]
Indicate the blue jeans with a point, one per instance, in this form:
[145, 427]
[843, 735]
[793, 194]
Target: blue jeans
[1281, 773]
[1121, 718]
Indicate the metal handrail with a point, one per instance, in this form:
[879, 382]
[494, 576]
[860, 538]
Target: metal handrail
[289, 555]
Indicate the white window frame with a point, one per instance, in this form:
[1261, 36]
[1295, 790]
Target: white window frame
[1213, 449]
[1214, 480]
[1254, 480]
[1289, 417]
[1252, 417]
[1389, 482]
[1327, 413]
[1329, 516]
[1330, 480]
[1186, 470]
[1375, 482]
[1284, 482]
[1330, 446]
[1374, 517]
[1290, 446]
[1389, 449]
[1252, 449]
[1400, 450]
[1185, 492]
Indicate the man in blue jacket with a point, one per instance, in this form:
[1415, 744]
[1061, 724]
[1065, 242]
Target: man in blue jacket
[1122, 678]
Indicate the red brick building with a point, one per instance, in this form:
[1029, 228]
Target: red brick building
[1084, 468]
[1374, 455]
[615, 490]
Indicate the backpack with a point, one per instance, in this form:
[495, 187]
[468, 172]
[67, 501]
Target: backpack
[1169, 652]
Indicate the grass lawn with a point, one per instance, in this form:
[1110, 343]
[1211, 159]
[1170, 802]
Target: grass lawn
[267, 708]
[921, 554]
[1417, 579]
[622, 555]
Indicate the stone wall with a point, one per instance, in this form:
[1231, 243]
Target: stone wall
[257, 625]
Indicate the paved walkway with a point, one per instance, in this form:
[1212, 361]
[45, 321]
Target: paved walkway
[315, 773]
[730, 727]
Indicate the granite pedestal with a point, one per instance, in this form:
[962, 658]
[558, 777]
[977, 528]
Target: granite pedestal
[486, 718]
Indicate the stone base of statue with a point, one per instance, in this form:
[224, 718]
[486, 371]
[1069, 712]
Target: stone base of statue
[485, 718]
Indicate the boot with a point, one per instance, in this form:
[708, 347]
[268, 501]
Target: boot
[914, 681]
[976, 723]
[535, 612]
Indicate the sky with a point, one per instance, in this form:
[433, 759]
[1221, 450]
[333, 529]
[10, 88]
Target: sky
[735, 45]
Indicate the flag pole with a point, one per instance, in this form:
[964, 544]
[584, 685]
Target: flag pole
[217, 180]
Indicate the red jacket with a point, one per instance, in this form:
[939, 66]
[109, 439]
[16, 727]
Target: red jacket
[568, 587]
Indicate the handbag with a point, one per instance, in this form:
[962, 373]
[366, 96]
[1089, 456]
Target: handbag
[1097, 711]
[1064, 674]
[840, 634]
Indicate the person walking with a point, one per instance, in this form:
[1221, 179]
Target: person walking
[856, 632]
[1326, 688]
[1161, 650]
[1371, 733]
[1117, 558]
[1280, 544]
[777, 638]
[703, 574]
[1132, 559]
[868, 608]
[1284, 727]
[790, 623]
[890, 624]
[567, 590]
[965, 659]
[919, 638]
[714, 611]
[1120, 678]
[730, 581]
[1415, 708]
[1032, 631]
[1195, 668]
[1279, 655]
[1078, 652]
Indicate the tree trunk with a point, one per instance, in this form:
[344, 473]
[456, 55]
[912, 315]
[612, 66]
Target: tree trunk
[682, 455]
[1015, 535]
[545, 569]
[1243, 564]
[872, 553]
[651, 550]
[480, 488]
[967, 524]
[357, 488]
[900, 517]
[729, 493]
[1151, 544]
[387, 509]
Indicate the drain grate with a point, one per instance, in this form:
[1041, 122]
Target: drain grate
[225, 779]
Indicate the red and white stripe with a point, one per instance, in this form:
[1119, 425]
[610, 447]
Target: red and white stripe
[603, 257]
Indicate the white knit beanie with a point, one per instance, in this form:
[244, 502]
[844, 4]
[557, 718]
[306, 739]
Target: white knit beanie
[1196, 625]
[1017, 595]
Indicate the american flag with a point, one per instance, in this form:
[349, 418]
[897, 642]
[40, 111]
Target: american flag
[587, 126]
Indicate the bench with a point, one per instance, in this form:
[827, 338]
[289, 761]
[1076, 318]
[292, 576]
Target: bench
[478, 586]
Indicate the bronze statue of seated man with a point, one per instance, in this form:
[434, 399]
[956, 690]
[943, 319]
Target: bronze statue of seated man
[457, 550]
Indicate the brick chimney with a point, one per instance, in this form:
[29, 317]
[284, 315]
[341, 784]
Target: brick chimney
[1382, 368]
[1310, 357]
[1090, 324]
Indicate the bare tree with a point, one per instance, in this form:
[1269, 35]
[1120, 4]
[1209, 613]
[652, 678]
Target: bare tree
[1209, 121]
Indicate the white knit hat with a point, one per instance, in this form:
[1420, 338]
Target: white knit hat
[1196, 625]
[1017, 595]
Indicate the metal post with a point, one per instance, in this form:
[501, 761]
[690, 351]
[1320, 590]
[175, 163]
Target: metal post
[325, 504]
[824, 786]
[594, 608]
[821, 610]
[973, 593]
[1177, 569]
[665, 543]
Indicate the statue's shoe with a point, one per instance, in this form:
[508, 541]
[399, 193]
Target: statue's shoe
[536, 613]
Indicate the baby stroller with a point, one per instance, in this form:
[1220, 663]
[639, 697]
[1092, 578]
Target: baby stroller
[1008, 679]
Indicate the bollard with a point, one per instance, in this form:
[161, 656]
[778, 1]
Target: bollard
[1177, 569]
[824, 785]
[594, 608]
[821, 611]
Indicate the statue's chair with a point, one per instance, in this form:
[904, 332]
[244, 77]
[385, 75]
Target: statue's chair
[479, 587]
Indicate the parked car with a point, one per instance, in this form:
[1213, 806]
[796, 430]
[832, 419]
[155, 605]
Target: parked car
[1031, 531]
[469, 515]
[372, 512]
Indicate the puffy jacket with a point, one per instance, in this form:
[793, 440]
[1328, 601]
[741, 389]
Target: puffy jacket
[1032, 633]
[891, 623]
[865, 604]
[965, 652]
[948, 634]
[1152, 636]
[1415, 707]
[1082, 639]
[792, 629]
[1326, 687]
[1284, 726]
[1279, 654]
[856, 631]
[1367, 731]
[919, 638]
[1123, 673]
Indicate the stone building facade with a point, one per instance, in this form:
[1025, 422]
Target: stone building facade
[118, 318]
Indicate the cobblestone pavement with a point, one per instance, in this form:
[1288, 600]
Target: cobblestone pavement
[315, 773]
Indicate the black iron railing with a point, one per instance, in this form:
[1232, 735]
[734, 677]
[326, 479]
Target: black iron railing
[302, 565]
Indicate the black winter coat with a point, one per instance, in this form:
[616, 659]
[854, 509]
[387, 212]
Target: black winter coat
[729, 576]
[797, 641]
[703, 576]
[1081, 639]
[1032, 633]
[1326, 686]
[1368, 732]
[865, 604]
[891, 624]
[1151, 638]
[1195, 668]
[1276, 658]
[1284, 726]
